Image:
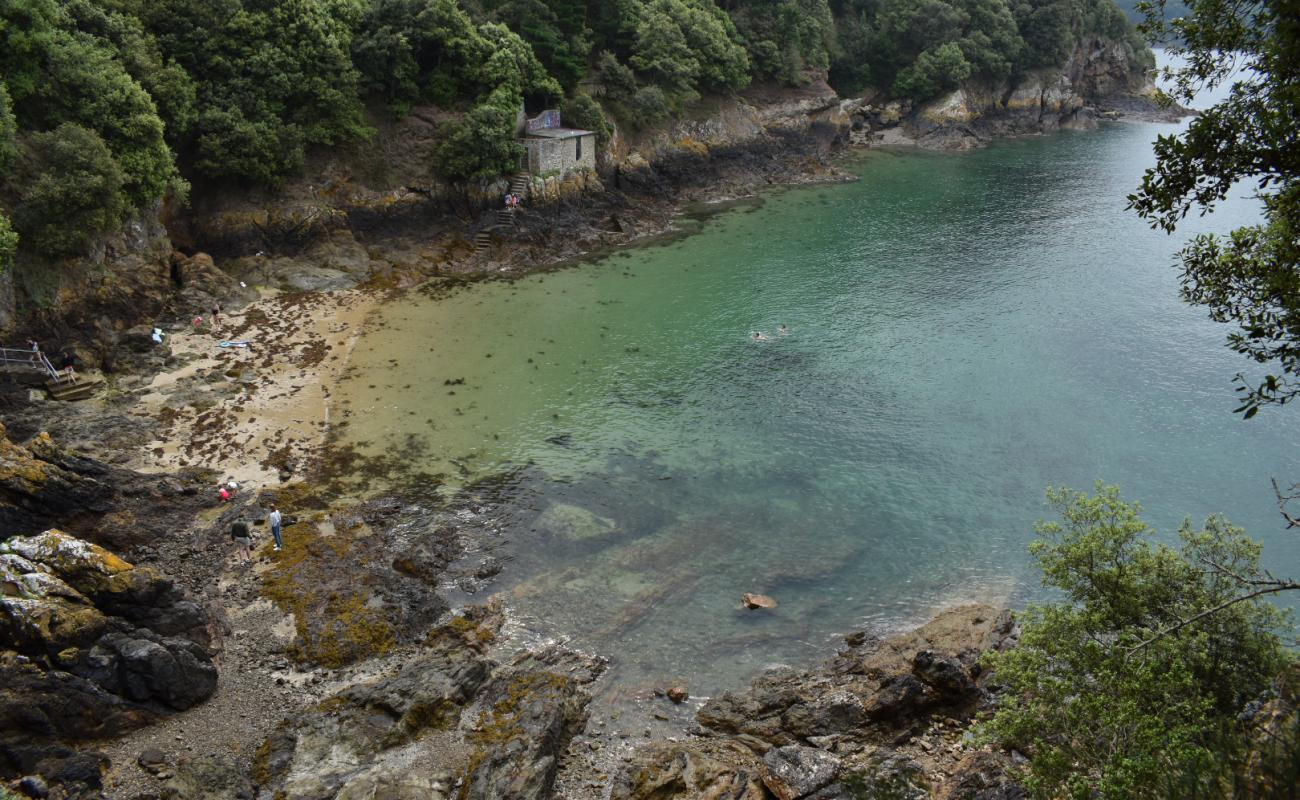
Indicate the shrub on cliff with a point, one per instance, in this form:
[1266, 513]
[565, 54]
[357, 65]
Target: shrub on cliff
[8, 243]
[480, 146]
[71, 189]
[581, 111]
[1111, 692]
[935, 71]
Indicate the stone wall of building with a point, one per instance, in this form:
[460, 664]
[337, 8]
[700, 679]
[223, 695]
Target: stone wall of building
[561, 155]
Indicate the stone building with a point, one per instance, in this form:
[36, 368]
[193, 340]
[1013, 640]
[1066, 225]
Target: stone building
[553, 148]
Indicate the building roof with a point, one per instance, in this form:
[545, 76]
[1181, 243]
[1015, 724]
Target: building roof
[558, 133]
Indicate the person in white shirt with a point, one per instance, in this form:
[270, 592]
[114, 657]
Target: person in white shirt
[275, 525]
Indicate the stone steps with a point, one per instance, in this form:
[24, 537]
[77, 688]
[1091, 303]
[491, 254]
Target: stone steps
[82, 388]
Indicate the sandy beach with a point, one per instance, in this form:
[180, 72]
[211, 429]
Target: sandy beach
[254, 413]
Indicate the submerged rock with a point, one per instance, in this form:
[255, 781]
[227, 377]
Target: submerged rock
[572, 523]
[752, 600]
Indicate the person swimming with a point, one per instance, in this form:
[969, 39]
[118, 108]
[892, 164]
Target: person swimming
[782, 330]
[760, 337]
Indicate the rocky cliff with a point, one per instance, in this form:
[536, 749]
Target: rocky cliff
[1101, 80]
[90, 646]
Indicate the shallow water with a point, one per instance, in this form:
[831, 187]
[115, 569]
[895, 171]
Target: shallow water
[965, 330]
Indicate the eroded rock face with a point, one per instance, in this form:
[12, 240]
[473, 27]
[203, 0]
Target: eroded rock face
[701, 769]
[527, 717]
[367, 734]
[44, 486]
[861, 726]
[94, 644]
[794, 771]
[210, 777]
[449, 717]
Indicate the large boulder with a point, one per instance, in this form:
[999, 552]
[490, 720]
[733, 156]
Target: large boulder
[528, 719]
[685, 772]
[89, 653]
[368, 734]
[210, 777]
[793, 771]
[43, 486]
[59, 585]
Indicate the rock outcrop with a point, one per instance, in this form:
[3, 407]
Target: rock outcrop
[43, 485]
[94, 647]
[449, 716]
[1101, 78]
[883, 718]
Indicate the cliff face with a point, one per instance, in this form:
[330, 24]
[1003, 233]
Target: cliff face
[1101, 79]
[374, 209]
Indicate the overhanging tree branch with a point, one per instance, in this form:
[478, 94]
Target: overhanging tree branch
[1277, 586]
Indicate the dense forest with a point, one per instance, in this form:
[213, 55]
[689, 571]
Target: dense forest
[108, 105]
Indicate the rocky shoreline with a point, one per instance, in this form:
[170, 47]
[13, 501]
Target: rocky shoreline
[141, 661]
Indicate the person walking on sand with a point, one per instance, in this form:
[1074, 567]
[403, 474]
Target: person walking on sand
[216, 314]
[243, 540]
[275, 526]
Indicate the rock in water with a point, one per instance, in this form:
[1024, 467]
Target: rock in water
[678, 694]
[752, 600]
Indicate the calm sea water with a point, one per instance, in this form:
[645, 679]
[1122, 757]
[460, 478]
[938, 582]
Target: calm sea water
[964, 330]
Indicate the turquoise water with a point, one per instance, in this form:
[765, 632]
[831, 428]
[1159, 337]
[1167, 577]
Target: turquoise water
[965, 330]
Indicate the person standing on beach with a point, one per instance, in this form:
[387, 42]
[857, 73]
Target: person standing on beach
[243, 540]
[216, 314]
[275, 525]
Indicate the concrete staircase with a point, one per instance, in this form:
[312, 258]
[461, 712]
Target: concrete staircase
[522, 184]
[83, 387]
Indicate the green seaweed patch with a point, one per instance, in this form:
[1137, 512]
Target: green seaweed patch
[333, 619]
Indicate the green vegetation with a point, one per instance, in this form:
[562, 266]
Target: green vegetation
[155, 95]
[1129, 688]
[1250, 278]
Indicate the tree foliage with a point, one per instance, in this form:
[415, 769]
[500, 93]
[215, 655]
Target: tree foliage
[72, 188]
[901, 44]
[8, 243]
[1100, 701]
[1250, 279]
[222, 92]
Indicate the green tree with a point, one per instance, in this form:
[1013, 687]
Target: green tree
[581, 111]
[8, 243]
[1129, 680]
[562, 46]
[273, 77]
[70, 188]
[1250, 279]
[786, 39]
[56, 73]
[482, 145]
[662, 52]
[8, 130]
[934, 72]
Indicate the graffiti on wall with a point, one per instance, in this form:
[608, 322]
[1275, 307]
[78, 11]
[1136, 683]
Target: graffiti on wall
[545, 121]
